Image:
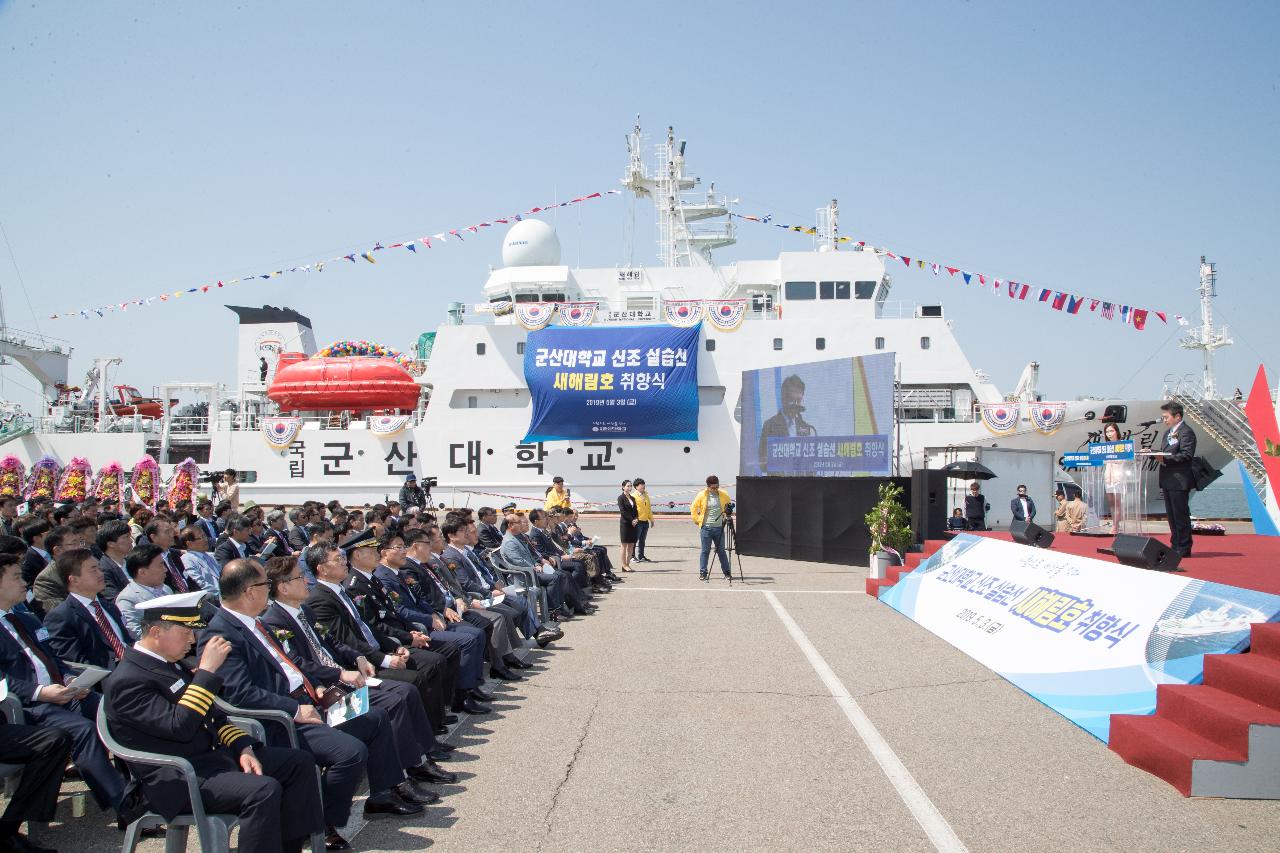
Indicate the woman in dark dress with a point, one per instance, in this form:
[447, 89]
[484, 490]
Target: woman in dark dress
[628, 520]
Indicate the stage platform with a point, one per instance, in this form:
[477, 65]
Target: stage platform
[1236, 559]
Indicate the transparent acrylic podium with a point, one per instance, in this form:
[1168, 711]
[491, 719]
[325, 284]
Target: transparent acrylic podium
[1114, 489]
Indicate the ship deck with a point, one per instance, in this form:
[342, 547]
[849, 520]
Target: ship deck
[791, 712]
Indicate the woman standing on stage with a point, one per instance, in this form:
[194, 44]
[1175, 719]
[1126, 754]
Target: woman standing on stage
[628, 521]
[1114, 476]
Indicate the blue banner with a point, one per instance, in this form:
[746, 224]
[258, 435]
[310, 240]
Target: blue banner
[621, 382]
[1111, 451]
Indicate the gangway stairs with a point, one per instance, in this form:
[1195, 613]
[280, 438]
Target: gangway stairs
[1223, 420]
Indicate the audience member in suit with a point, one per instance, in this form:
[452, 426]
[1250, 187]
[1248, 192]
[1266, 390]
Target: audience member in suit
[299, 533]
[1176, 476]
[235, 545]
[275, 529]
[259, 674]
[156, 704]
[115, 542]
[32, 531]
[534, 538]
[205, 518]
[487, 528]
[1022, 506]
[86, 627]
[479, 579]
[331, 664]
[38, 678]
[199, 567]
[48, 588]
[8, 515]
[41, 752]
[585, 573]
[516, 553]
[161, 533]
[147, 573]
[470, 644]
[338, 617]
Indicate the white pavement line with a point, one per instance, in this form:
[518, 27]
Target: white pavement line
[713, 589]
[944, 838]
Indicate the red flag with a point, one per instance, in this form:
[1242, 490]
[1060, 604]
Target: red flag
[1059, 300]
[1093, 305]
[982, 279]
[953, 270]
[1139, 318]
[906, 260]
[1162, 317]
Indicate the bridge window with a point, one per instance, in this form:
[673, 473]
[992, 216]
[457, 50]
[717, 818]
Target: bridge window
[833, 289]
[864, 289]
[798, 290]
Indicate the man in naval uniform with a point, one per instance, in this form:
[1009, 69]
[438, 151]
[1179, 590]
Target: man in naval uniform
[157, 705]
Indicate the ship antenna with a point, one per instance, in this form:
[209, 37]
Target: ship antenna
[1206, 337]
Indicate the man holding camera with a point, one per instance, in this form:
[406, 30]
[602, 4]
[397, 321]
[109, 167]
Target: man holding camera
[710, 510]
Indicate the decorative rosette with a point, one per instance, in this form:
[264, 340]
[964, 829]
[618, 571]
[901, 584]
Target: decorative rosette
[73, 487]
[1048, 417]
[109, 482]
[12, 476]
[43, 480]
[145, 482]
[183, 485]
[1000, 418]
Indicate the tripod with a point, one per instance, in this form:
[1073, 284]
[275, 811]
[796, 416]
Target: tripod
[730, 544]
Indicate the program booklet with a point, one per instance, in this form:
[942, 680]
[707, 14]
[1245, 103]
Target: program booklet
[349, 707]
[90, 676]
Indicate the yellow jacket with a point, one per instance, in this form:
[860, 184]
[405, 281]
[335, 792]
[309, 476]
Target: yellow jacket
[699, 508]
[644, 512]
[557, 499]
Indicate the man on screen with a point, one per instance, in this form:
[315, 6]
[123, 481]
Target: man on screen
[788, 422]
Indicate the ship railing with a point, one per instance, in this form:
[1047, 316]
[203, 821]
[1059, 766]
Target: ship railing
[1224, 420]
[79, 422]
[252, 421]
[34, 340]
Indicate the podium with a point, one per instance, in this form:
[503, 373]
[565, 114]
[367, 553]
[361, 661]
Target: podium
[1114, 488]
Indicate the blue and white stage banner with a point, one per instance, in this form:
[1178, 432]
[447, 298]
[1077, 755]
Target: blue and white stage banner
[811, 455]
[618, 382]
[1086, 637]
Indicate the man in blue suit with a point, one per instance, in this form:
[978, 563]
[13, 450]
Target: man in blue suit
[86, 627]
[258, 674]
[38, 678]
[1023, 507]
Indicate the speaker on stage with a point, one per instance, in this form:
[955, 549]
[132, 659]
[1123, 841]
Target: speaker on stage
[1143, 552]
[928, 504]
[1030, 533]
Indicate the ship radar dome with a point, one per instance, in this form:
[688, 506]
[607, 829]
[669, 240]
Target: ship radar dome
[531, 243]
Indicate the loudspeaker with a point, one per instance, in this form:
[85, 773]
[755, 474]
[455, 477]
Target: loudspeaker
[928, 504]
[1030, 533]
[1143, 552]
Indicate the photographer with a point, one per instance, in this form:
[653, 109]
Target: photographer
[411, 494]
[710, 509]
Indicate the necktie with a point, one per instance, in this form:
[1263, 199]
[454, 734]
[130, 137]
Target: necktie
[314, 641]
[176, 580]
[100, 616]
[50, 665]
[364, 629]
[284, 660]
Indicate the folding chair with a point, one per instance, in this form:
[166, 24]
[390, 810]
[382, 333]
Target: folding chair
[528, 579]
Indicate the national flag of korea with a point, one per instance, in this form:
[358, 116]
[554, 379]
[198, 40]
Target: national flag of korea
[1139, 318]
[1059, 300]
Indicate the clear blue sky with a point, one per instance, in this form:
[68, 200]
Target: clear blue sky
[1098, 148]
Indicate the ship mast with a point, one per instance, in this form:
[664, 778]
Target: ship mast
[1205, 337]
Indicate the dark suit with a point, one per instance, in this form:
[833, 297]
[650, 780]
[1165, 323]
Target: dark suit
[251, 678]
[469, 641]
[490, 536]
[115, 576]
[163, 707]
[283, 547]
[409, 722]
[226, 551]
[425, 671]
[43, 753]
[74, 633]
[76, 718]
[477, 578]
[1177, 481]
[776, 427]
[1015, 506]
[299, 537]
[494, 624]
[32, 564]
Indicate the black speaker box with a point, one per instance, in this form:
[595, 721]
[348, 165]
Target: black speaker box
[928, 504]
[1030, 533]
[1143, 552]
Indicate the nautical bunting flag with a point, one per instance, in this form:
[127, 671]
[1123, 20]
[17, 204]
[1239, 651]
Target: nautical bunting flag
[726, 314]
[684, 312]
[999, 418]
[280, 432]
[385, 426]
[577, 313]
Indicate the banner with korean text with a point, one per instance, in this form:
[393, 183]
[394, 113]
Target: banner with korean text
[623, 382]
[1087, 638]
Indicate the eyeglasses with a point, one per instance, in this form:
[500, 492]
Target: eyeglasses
[292, 579]
[260, 583]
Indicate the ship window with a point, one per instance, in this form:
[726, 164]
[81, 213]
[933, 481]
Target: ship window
[519, 347]
[473, 402]
[924, 343]
[711, 345]
[480, 349]
[801, 290]
[864, 289]
[527, 297]
[918, 415]
[640, 303]
[553, 297]
[820, 343]
[777, 343]
[879, 343]
[842, 290]
[826, 290]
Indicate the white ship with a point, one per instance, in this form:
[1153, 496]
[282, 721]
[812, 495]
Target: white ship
[467, 428]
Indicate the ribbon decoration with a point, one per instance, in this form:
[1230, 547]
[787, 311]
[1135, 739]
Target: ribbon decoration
[1059, 301]
[1048, 417]
[280, 431]
[534, 315]
[385, 426]
[318, 266]
[1000, 418]
[726, 314]
[682, 312]
[577, 313]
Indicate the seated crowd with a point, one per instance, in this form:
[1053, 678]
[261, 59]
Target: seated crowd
[269, 611]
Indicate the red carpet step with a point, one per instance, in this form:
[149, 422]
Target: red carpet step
[1216, 739]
